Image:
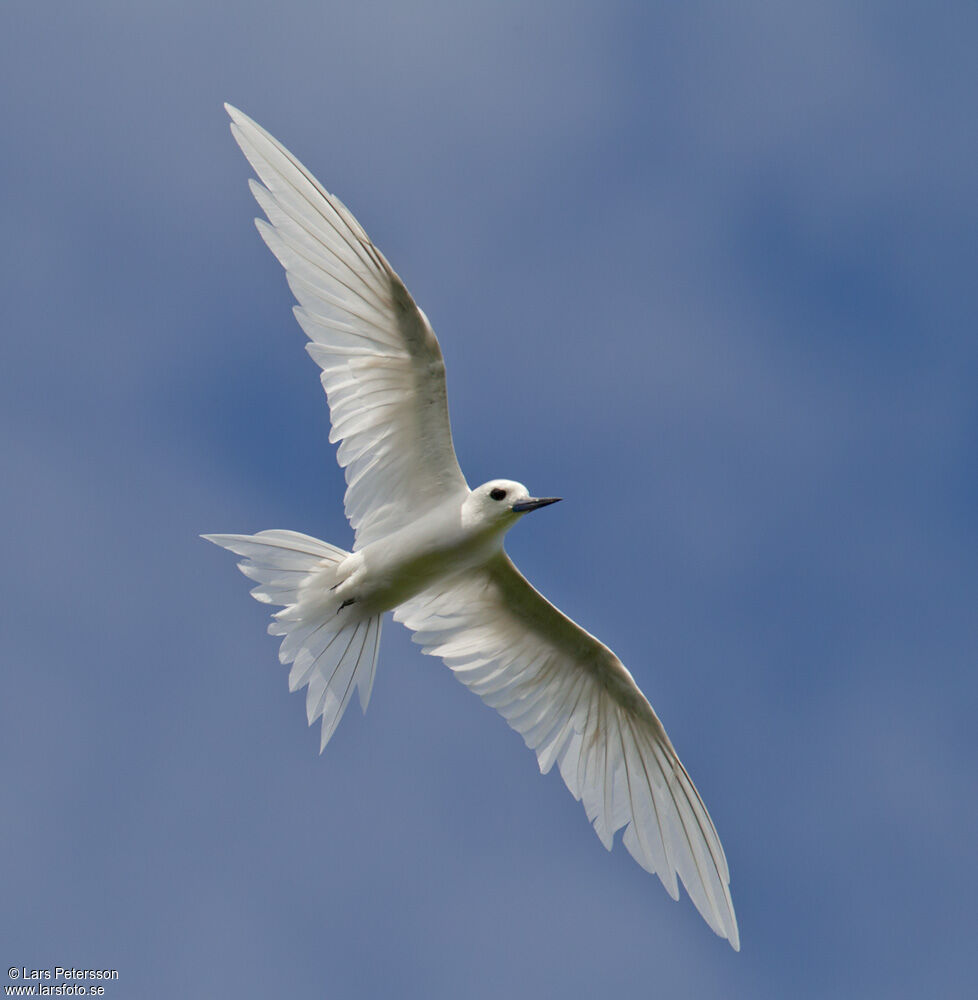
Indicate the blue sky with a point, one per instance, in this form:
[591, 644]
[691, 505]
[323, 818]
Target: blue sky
[708, 272]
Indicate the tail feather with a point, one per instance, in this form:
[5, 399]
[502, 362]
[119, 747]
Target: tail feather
[330, 654]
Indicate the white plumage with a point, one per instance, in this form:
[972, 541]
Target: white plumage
[430, 549]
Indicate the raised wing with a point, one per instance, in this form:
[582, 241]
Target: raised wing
[574, 703]
[382, 367]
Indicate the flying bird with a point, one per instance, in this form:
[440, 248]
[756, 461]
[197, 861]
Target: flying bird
[430, 549]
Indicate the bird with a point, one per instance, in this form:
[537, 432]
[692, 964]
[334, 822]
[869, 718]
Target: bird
[430, 549]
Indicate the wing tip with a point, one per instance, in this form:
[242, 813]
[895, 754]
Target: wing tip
[236, 115]
[220, 539]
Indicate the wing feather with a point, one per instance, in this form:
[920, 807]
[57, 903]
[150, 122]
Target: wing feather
[382, 367]
[576, 705]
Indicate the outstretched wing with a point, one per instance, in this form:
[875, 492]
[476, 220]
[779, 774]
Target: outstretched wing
[574, 703]
[382, 367]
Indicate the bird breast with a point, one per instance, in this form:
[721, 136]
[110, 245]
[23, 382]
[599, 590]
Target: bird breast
[392, 570]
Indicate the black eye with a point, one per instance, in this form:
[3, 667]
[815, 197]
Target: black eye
[498, 494]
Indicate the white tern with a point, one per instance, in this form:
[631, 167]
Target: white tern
[431, 550]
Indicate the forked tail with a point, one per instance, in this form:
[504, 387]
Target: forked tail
[329, 650]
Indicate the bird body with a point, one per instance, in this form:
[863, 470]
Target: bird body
[431, 550]
[452, 538]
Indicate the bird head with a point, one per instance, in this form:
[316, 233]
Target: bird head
[502, 501]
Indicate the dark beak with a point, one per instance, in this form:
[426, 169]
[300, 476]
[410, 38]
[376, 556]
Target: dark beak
[532, 503]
